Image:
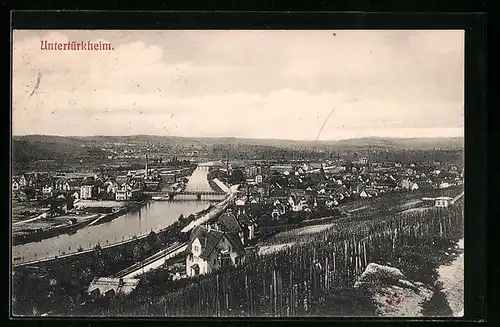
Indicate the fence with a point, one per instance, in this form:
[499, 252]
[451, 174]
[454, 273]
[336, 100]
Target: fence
[298, 280]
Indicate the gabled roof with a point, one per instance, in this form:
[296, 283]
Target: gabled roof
[73, 183]
[104, 285]
[235, 242]
[210, 238]
[229, 223]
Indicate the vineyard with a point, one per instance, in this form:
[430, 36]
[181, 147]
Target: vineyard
[313, 278]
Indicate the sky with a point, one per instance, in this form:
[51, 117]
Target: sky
[274, 84]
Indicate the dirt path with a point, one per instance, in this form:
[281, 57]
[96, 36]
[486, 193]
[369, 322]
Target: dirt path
[452, 278]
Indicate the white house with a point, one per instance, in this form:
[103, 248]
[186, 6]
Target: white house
[258, 179]
[15, 185]
[210, 249]
[443, 202]
[444, 185]
[121, 195]
[275, 214]
[22, 181]
[47, 190]
[88, 192]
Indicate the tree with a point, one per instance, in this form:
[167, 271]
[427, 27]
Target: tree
[30, 193]
[237, 176]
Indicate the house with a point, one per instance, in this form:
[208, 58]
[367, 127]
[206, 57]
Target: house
[47, 190]
[121, 179]
[88, 192]
[240, 224]
[104, 286]
[442, 202]
[127, 192]
[228, 223]
[170, 178]
[276, 213]
[121, 195]
[414, 187]
[299, 204]
[110, 187]
[363, 160]
[71, 185]
[58, 185]
[240, 205]
[23, 182]
[251, 171]
[258, 179]
[248, 225]
[15, 185]
[406, 184]
[210, 249]
[62, 204]
[444, 185]
[428, 201]
[76, 195]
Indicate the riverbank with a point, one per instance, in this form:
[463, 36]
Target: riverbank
[49, 227]
[45, 228]
[77, 271]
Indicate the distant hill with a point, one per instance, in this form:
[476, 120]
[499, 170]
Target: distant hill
[372, 142]
[61, 149]
[449, 143]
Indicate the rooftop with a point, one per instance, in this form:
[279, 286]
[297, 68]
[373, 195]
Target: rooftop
[105, 284]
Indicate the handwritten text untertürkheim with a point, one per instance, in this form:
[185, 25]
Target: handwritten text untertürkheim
[75, 46]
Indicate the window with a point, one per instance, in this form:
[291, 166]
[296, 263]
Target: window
[196, 249]
[215, 261]
[225, 258]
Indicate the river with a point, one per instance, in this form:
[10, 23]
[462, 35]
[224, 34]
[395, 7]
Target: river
[151, 217]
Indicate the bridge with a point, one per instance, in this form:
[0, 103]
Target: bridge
[190, 195]
[197, 188]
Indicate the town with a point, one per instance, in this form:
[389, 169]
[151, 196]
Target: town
[201, 215]
[239, 173]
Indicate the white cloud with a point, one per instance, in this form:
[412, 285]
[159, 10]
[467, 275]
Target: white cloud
[266, 86]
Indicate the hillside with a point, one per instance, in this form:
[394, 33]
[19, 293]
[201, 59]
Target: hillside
[348, 144]
[451, 143]
[59, 150]
[68, 150]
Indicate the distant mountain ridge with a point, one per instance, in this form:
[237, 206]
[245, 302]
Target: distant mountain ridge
[446, 143]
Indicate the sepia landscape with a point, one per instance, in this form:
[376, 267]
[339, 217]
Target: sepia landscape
[238, 174]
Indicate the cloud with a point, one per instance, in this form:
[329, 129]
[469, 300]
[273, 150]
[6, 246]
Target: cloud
[278, 84]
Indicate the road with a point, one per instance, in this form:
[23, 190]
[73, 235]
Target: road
[154, 261]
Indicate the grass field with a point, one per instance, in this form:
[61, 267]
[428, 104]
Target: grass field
[99, 204]
[26, 210]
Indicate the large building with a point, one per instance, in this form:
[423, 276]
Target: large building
[88, 192]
